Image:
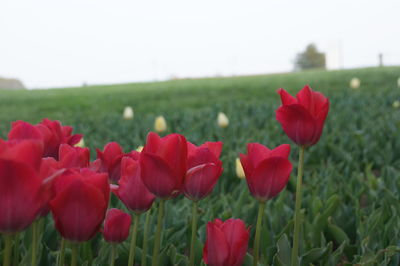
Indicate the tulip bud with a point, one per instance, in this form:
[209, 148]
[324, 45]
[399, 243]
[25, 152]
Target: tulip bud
[226, 243]
[355, 83]
[267, 171]
[160, 125]
[222, 120]
[81, 143]
[239, 169]
[116, 226]
[128, 113]
[396, 104]
[139, 148]
[203, 169]
[302, 118]
[398, 82]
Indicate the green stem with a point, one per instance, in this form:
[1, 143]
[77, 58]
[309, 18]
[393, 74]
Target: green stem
[61, 256]
[7, 250]
[34, 242]
[131, 260]
[74, 256]
[297, 218]
[113, 254]
[145, 238]
[194, 231]
[87, 250]
[157, 239]
[261, 208]
[16, 249]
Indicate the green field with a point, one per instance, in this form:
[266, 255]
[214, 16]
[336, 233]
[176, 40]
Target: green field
[351, 180]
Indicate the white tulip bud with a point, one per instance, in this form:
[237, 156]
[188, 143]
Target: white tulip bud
[239, 169]
[160, 124]
[355, 83]
[128, 113]
[222, 120]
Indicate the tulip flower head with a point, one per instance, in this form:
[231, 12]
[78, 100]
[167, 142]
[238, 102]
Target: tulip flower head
[160, 124]
[70, 157]
[355, 83]
[204, 169]
[116, 226]
[267, 171]
[128, 113]
[222, 120]
[110, 159]
[239, 169]
[226, 243]
[80, 203]
[20, 184]
[163, 164]
[52, 133]
[131, 190]
[302, 118]
[396, 104]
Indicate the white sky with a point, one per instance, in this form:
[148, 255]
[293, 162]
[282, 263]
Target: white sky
[53, 43]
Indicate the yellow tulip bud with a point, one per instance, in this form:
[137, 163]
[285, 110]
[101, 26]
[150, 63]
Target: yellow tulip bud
[81, 143]
[396, 104]
[239, 169]
[355, 83]
[160, 125]
[128, 113]
[222, 120]
[139, 148]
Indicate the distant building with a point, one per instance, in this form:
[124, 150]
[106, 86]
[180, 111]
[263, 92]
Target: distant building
[11, 84]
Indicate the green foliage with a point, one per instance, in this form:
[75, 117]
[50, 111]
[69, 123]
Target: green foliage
[310, 58]
[351, 208]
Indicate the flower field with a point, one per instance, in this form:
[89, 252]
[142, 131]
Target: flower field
[351, 184]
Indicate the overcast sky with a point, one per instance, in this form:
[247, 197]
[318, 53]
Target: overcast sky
[55, 43]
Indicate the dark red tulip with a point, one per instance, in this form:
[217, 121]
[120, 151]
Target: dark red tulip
[20, 184]
[267, 171]
[303, 118]
[131, 190]
[116, 226]
[204, 169]
[71, 157]
[163, 164]
[110, 159]
[80, 203]
[226, 243]
[52, 133]
[49, 170]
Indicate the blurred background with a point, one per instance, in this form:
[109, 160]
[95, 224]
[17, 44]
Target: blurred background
[47, 44]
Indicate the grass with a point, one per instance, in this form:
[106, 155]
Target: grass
[351, 180]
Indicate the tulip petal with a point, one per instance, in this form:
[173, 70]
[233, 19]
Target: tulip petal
[214, 147]
[311, 100]
[237, 236]
[216, 249]
[286, 98]
[19, 196]
[281, 151]
[200, 180]
[157, 175]
[25, 151]
[297, 123]
[269, 178]
[116, 226]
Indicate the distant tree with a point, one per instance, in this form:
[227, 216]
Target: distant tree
[310, 58]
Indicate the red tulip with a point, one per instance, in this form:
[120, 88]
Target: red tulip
[71, 157]
[110, 159]
[204, 169]
[80, 203]
[52, 133]
[226, 243]
[116, 226]
[131, 190]
[267, 171]
[20, 184]
[163, 164]
[49, 170]
[303, 118]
